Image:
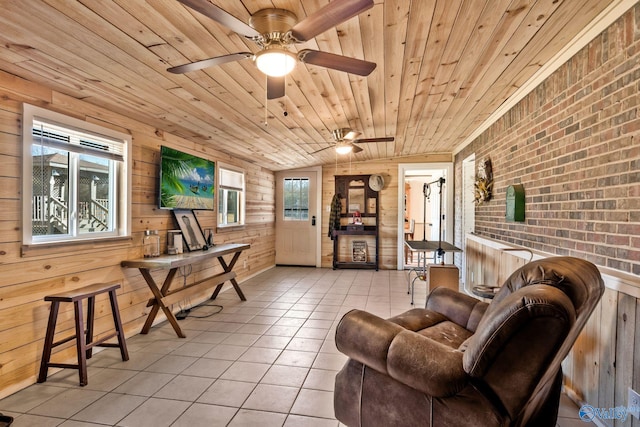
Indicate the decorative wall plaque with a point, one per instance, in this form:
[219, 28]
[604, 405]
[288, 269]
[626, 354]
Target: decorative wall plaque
[483, 186]
[359, 248]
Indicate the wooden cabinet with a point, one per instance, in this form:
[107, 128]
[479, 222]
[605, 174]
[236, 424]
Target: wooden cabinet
[443, 275]
[356, 242]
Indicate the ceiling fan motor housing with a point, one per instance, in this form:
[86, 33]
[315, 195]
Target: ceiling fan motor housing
[273, 23]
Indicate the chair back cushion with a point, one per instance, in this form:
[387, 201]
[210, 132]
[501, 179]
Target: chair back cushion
[529, 328]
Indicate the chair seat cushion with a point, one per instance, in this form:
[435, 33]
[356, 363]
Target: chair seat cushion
[446, 333]
[433, 325]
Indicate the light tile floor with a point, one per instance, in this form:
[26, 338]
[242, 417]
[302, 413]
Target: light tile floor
[269, 361]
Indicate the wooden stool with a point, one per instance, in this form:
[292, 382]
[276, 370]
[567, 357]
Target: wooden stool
[84, 341]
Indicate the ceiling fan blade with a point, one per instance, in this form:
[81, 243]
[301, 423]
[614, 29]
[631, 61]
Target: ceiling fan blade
[328, 16]
[199, 65]
[383, 139]
[355, 149]
[322, 149]
[275, 87]
[221, 16]
[336, 62]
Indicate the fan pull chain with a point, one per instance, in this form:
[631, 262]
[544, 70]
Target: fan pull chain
[266, 99]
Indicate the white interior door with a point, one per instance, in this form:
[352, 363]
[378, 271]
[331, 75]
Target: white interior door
[298, 217]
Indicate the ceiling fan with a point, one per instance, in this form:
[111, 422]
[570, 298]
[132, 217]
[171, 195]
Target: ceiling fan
[346, 141]
[274, 31]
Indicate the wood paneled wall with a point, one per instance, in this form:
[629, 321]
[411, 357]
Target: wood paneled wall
[387, 200]
[28, 277]
[605, 360]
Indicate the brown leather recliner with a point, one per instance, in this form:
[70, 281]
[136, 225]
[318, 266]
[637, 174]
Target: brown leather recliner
[462, 362]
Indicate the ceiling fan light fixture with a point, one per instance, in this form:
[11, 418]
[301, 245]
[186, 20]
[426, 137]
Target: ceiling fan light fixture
[344, 148]
[275, 61]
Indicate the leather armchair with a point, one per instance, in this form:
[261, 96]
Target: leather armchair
[463, 362]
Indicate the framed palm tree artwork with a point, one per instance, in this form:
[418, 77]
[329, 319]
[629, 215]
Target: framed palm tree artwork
[186, 181]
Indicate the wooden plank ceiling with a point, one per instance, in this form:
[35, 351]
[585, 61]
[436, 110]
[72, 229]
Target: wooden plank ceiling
[443, 66]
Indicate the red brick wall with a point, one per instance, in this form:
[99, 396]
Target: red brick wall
[574, 143]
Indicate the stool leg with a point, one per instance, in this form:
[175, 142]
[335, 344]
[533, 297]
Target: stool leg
[118, 325]
[48, 342]
[91, 309]
[81, 346]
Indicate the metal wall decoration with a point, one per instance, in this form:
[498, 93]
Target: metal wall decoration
[483, 186]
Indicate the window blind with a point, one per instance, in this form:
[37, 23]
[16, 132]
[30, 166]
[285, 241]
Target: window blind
[51, 135]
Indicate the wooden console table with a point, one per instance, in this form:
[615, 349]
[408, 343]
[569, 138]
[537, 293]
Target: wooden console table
[164, 297]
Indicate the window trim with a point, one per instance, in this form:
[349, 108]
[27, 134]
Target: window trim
[243, 198]
[124, 173]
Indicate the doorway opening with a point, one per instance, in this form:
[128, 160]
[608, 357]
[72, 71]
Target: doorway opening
[468, 208]
[425, 207]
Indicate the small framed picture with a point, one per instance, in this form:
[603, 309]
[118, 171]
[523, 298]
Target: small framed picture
[359, 250]
[191, 231]
[372, 205]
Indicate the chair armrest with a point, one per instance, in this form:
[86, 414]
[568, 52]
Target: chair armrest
[426, 365]
[460, 308]
[366, 338]
[408, 357]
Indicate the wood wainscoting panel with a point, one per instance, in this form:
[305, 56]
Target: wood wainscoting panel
[605, 359]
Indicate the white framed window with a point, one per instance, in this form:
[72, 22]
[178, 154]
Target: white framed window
[231, 196]
[76, 179]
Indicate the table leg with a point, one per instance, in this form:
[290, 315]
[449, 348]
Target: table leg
[157, 305]
[227, 269]
[91, 309]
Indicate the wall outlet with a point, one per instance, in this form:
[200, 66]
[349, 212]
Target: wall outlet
[244, 264]
[633, 403]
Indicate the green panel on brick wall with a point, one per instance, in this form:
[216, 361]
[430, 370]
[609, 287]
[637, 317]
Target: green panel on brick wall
[515, 203]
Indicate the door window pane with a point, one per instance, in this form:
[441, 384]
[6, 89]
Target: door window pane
[296, 199]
